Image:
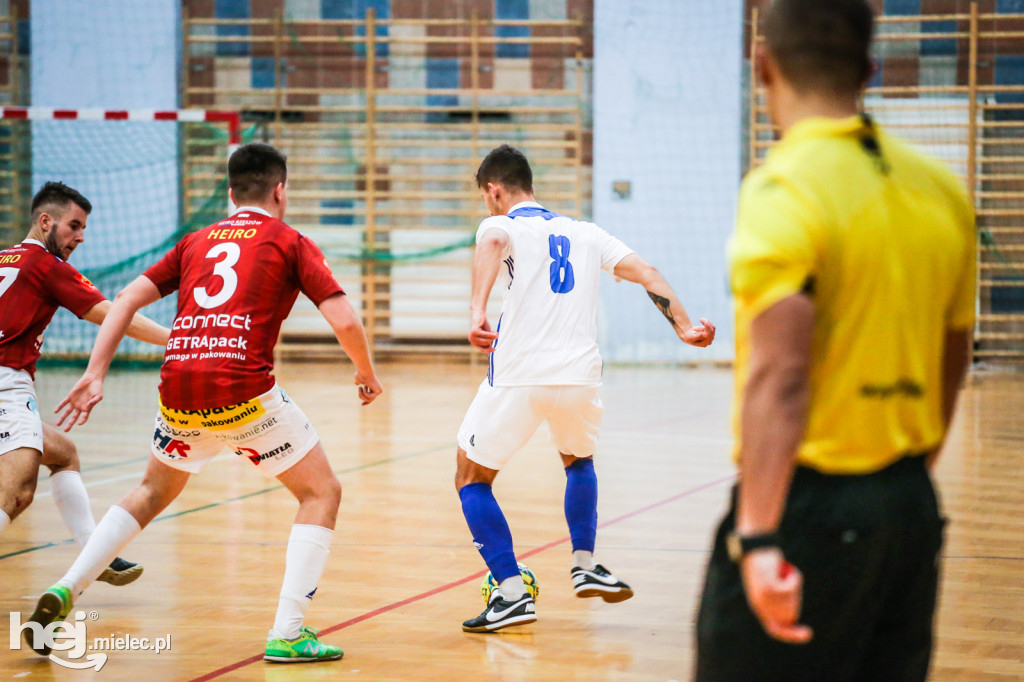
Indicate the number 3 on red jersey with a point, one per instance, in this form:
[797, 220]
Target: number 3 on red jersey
[223, 270]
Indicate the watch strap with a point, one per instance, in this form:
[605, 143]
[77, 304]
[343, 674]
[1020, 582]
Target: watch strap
[741, 545]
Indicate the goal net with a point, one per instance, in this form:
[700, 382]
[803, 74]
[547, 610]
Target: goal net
[152, 177]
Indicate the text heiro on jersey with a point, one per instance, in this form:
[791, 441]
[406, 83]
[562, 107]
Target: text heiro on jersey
[236, 233]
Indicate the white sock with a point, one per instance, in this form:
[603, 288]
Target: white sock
[115, 530]
[583, 559]
[5, 520]
[512, 588]
[308, 547]
[73, 504]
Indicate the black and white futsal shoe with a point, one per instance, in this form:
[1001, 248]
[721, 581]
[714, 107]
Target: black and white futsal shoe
[120, 572]
[598, 582]
[502, 613]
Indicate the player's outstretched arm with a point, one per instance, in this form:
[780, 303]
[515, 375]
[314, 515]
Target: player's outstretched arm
[75, 408]
[633, 268]
[141, 327]
[486, 263]
[348, 329]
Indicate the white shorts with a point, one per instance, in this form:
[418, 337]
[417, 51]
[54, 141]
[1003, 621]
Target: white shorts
[270, 431]
[20, 425]
[502, 418]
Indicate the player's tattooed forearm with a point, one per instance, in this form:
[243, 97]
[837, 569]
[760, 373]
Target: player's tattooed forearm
[663, 305]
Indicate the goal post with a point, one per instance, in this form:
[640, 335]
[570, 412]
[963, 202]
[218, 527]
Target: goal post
[152, 177]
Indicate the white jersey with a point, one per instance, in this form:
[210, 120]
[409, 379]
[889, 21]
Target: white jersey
[547, 332]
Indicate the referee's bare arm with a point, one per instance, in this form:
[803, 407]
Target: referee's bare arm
[773, 418]
[774, 411]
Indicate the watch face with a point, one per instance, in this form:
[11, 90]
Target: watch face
[734, 547]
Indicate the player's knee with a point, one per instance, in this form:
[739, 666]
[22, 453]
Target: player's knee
[327, 492]
[71, 460]
[462, 479]
[61, 456]
[23, 497]
[464, 470]
[333, 491]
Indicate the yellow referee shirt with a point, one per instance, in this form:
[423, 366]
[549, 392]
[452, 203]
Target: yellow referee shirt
[882, 238]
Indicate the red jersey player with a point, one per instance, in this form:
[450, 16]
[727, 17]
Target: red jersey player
[35, 280]
[236, 282]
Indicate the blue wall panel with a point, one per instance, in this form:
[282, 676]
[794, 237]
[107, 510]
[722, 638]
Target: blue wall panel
[232, 9]
[512, 9]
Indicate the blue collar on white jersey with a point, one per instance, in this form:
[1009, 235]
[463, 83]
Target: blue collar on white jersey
[531, 209]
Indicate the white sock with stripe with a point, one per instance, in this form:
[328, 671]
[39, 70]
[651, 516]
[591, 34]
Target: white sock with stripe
[305, 559]
[5, 520]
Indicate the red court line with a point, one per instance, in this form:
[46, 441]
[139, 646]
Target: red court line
[462, 581]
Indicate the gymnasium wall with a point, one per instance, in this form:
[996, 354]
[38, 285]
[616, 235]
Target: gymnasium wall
[667, 132]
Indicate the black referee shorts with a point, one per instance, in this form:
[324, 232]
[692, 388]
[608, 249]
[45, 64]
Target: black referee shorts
[868, 547]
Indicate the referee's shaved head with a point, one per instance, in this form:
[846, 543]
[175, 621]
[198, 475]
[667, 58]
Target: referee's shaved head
[254, 170]
[821, 45]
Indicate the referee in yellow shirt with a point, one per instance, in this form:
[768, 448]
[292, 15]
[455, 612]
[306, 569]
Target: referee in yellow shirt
[852, 269]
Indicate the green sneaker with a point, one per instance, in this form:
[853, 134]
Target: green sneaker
[305, 648]
[55, 604]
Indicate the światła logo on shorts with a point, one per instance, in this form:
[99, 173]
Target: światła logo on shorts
[255, 456]
[216, 418]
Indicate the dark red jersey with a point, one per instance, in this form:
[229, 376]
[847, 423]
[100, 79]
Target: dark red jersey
[33, 284]
[237, 281]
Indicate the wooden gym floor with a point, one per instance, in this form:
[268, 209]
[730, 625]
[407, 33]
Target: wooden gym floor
[403, 573]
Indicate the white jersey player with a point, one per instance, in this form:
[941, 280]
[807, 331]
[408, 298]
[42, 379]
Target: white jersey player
[551, 270]
[544, 366]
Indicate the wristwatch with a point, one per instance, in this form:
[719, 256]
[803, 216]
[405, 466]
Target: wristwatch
[739, 545]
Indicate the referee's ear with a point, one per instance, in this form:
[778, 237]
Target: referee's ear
[872, 70]
[767, 68]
